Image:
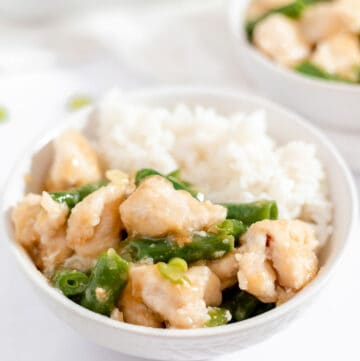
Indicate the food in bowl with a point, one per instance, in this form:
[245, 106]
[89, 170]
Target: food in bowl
[317, 38]
[121, 231]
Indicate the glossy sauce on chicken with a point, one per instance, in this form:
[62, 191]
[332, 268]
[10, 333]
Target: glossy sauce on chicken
[144, 249]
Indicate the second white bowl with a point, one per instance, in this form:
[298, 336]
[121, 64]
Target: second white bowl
[329, 103]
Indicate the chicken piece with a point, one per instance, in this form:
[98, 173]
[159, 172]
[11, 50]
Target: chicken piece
[283, 295]
[136, 312]
[75, 162]
[351, 9]
[257, 8]
[280, 39]
[51, 226]
[24, 217]
[53, 253]
[40, 225]
[277, 256]
[204, 279]
[323, 20]
[51, 218]
[80, 263]
[256, 274]
[94, 224]
[226, 269]
[179, 305]
[339, 55]
[157, 209]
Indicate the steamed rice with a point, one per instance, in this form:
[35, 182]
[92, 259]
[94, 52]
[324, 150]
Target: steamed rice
[231, 159]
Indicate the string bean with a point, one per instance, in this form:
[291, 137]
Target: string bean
[249, 213]
[203, 246]
[243, 305]
[309, 69]
[108, 278]
[73, 196]
[232, 227]
[71, 282]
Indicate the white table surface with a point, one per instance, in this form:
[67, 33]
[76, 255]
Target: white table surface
[36, 98]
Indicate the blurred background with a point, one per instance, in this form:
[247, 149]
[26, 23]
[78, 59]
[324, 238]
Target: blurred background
[128, 42]
[51, 50]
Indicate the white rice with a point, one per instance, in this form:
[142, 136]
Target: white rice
[231, 159]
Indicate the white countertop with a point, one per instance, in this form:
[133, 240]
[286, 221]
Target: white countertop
[36, 98]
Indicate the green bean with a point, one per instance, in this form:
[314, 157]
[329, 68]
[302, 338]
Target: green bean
[249, 213]
[264, 307]
[70, 282]
[144, 173]
[108, 278]
[173, 177]
[243, 305]
[176, 174]
[293, 10]
[203, 246]
[73, 196]
[232, 227]
[310, 69]
[218, 316]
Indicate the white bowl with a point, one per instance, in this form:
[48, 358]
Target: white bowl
[194, 344]
[329, 103]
